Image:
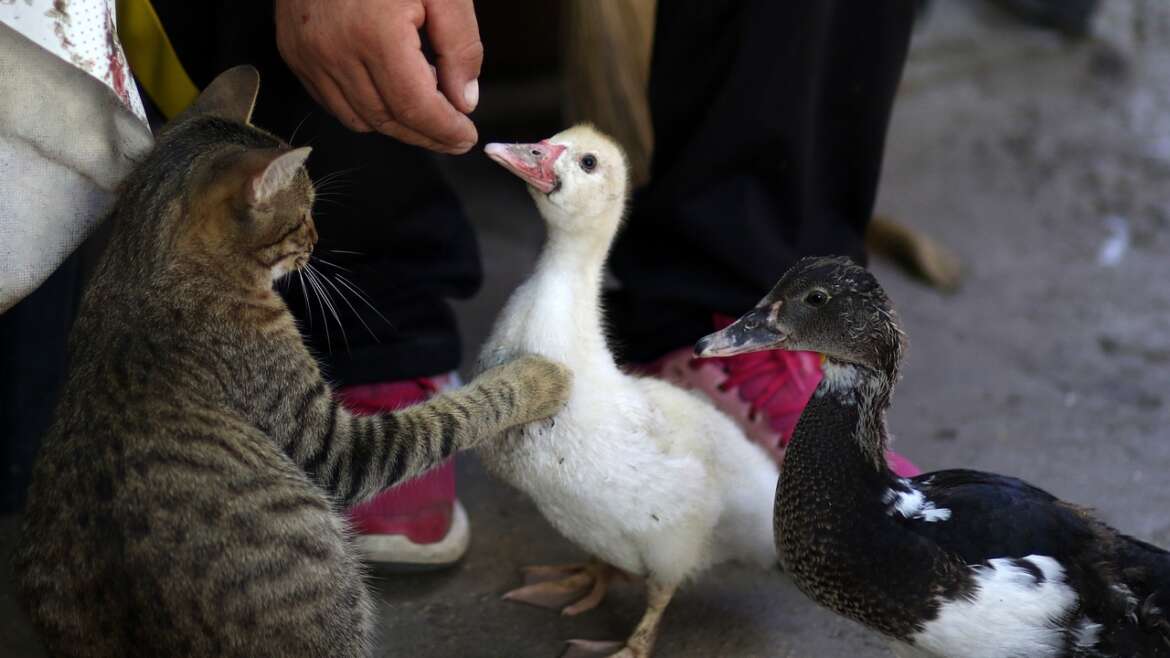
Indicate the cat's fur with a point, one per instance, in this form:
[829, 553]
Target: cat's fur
[185, 501]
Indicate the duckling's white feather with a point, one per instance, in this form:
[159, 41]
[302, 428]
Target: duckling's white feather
[646, 476]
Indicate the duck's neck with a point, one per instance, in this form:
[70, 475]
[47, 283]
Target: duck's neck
[862, 395]
[834, 471]
[839, 533]
[834, 530]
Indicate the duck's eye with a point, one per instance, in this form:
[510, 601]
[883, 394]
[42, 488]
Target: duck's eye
[816, 298]
[588, 162]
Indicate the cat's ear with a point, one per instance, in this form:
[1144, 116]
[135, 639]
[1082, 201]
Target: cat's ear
[231, 95]
[277, 175]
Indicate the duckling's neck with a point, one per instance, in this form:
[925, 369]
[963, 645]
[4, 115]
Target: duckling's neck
[566, 292]
[579, 254]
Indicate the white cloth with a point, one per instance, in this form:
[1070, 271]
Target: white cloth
[66, 139]
[81, 32]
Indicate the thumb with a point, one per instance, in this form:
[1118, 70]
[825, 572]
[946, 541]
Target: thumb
[454, 34]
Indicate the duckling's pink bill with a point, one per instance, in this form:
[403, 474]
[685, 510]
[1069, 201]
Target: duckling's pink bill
[750, 333]
[531, 162]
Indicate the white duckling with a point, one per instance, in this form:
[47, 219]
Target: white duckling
[647, 477]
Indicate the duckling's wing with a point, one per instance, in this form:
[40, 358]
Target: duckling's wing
[991, 516]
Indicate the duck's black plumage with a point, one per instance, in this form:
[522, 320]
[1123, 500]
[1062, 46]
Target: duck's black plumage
[996, 516]
[1123, 583]
[955, 562]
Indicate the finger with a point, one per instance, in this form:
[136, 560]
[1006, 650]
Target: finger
[408, 136]
[404, 81]
[315, 94]
[454, 34]
[355, 83]
[359, 91]
[397, 130]
[328, 93]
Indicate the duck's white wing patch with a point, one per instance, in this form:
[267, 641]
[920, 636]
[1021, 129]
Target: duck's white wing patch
[1086, 633]
[911, 503]
[1013, 612]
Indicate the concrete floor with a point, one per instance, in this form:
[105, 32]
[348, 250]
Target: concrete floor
[1016, 149]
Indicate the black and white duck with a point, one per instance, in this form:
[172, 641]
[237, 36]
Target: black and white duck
[953, 563]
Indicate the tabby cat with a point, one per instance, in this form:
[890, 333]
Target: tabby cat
[185, 501]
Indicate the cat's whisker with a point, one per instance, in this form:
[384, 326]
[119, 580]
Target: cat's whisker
[331, 202]
[333, 186]
[346, 251]
[323, 295]
[352, 287]
[305, 292]
[332, 178]
[339, 172]
[332, 264]
[341, 293]
[293, 137]
[321, 305]
[317, 276]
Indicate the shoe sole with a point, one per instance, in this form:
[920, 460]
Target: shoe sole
[398, 553]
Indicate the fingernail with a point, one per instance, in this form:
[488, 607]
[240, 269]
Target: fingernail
[471, 94]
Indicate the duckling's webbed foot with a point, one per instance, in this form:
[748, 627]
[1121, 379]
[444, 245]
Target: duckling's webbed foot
[592, 649]
[574, 588]
[641, 641]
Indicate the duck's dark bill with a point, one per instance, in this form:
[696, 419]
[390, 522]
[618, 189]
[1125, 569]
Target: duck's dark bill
[532, 162]
[751, 333]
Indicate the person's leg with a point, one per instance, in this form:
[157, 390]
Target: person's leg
[394, 244]
[769, 122]
[33, 337]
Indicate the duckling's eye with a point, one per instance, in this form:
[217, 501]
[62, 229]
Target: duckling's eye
[588, 162]
[816, 298]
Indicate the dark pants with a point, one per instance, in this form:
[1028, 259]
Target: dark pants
[32, 369]
[769, 119]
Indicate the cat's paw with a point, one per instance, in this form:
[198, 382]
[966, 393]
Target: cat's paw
[542, 386]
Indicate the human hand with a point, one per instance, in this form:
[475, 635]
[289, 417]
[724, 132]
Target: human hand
[363, 61]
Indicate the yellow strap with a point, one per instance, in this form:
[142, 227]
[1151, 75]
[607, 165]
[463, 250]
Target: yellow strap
[152, 58]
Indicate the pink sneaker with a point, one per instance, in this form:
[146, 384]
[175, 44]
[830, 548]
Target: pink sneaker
[419, 523]
[765, 392]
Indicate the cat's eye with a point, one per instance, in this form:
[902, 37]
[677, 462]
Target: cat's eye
[816, 298]
[588, 162]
